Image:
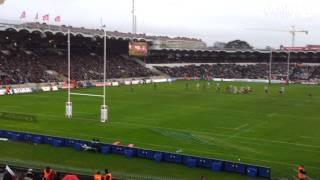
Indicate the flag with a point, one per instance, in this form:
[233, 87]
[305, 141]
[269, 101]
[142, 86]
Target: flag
[57, 19]
[45, 17]
[36, 17]
[23, 15]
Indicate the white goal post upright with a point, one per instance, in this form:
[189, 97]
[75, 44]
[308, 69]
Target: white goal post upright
[69, 103]
[104, 107]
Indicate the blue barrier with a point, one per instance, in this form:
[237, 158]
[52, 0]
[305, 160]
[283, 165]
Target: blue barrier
[229, 167]
[36, 139]
[129, 153]
[157, 157]
[15, 137]
[47, 139]
[147, 154]
[77, 146]
[252, 171]
[189, 161]
[240, 168]
[217, 166]
[204, 163]
[57, 142]
[117, 149]
[142, 153]
[264, 172]
[28, 137]
[174, 158]
[70, 142]
[105, 149]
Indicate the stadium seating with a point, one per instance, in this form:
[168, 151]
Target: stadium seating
[34, 58]
[235, 56]
[237, 71]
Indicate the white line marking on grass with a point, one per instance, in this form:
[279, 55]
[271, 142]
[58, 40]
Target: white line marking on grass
[308, 137]
[242, 126]
[241, 131]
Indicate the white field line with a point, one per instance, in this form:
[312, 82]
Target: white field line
[250, 128]
[309, 137]
[82, 94]
[242, 126]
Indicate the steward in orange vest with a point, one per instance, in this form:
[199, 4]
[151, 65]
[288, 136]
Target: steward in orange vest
[97, 176]
[107, 175]
[48, 174]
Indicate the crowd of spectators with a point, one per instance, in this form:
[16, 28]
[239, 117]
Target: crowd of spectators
[19, 68]
[220, 56]
[240, 71]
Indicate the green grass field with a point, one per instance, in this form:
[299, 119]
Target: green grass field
[270, 130]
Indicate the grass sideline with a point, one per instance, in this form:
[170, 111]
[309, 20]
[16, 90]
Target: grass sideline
[264, 129]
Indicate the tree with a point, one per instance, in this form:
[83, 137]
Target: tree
[238, 44]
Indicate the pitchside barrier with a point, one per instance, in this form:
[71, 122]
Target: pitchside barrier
[215, 165]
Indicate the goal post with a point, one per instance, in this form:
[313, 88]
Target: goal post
[104, 107]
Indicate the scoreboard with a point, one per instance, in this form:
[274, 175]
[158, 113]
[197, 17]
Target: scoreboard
[138, 49]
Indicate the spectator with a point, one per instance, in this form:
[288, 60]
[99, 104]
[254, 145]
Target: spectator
[48, 174]
[97, 176]
[9, 174]
[107, 175]
[29, 175]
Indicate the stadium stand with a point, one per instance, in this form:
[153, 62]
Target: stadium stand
[238, 71]
[37, 56]
[222, 56]
[28, 57]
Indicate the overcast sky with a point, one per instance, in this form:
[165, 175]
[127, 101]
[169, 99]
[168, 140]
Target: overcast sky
[210, 20]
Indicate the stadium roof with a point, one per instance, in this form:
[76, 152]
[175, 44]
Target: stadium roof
[44, 28]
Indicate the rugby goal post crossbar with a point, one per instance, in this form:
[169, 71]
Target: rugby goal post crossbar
[104, 107]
